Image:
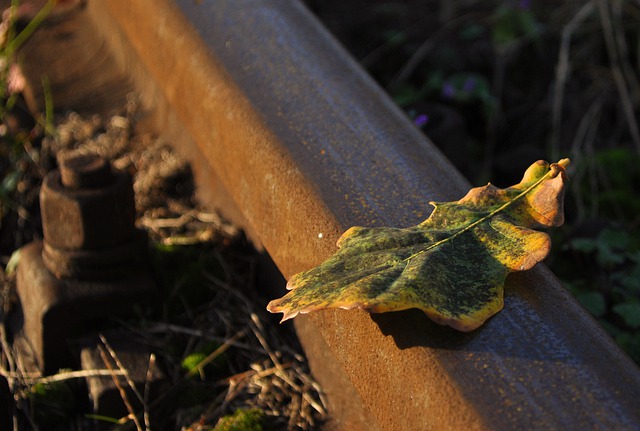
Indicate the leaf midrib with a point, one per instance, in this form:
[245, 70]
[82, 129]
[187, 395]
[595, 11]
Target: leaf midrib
[553, 171]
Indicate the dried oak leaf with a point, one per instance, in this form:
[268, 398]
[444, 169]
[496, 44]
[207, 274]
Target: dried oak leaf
[452, 266]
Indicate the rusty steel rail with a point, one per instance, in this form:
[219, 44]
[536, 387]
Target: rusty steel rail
[286, 128]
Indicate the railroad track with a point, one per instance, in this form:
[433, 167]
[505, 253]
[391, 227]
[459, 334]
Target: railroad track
[295, 143]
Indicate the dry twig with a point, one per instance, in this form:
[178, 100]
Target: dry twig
[116, 381]
[563, 69]
[615, 59]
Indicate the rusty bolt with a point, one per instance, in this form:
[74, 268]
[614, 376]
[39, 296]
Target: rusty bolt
[85, 205]
[88, 219]
[85, 171]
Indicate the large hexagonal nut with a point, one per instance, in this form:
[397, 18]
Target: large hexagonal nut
[87, 208]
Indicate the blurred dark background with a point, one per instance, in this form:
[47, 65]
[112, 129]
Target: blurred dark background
[497, 85]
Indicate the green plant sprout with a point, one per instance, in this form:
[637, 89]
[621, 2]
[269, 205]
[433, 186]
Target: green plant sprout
[241, 420]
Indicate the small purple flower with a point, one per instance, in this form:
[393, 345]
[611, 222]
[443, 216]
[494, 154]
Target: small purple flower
[448, 90]
[421, 120]
[524, 4]
[469, 85]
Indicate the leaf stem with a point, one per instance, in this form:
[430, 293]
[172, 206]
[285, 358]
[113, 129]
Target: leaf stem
[554, 170]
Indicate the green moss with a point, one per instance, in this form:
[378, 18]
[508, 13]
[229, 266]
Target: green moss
[241, 420]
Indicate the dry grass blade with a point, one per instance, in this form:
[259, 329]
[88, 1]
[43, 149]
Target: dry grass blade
[250, 374]
[562, 73]
[60, 377]
[147, 383]
[7, 356]
[615, 59]
[213, 355]
[258, 330]
[123, 369]
[584, 137]
[123, 393]
[206, 335]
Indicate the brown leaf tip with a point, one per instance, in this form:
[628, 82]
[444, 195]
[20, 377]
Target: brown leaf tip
[560, 167]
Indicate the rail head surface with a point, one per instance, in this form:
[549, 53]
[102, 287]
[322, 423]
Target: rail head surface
[307, 145]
